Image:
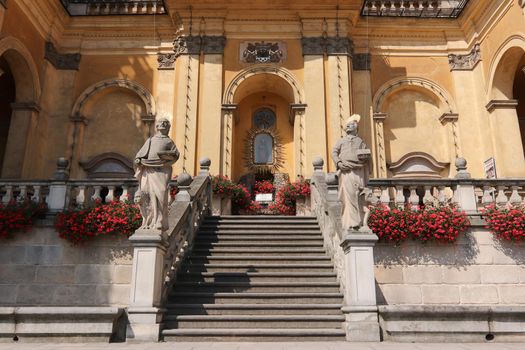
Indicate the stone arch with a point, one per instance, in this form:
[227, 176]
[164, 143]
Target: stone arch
[416, 82]
[286, 75]
[144, 94]
[503, 68]
[21, 62]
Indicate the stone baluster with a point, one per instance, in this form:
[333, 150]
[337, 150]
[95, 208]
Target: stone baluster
[501, 198]
[37, 194]
[385, 196]
[80, 199]
[428, 197]
[414, 198]
[135, 8]
[442, 199]
[22, 195]
[125, 193]
[111, 194]
[96, 194]
[487, 195]
[400, 197]
[8, 196]
[515, 197]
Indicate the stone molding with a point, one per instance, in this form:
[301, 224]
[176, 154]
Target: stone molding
[379, 117]
[465, 62]
[142, 93]
[449, 118]
[332, 46]
[69, 61]
[78, 118]
[501, 104]
[25, 106]
[194, 45]
[166, 61]
[361, 62]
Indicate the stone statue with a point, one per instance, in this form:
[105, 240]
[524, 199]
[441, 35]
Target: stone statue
[154, 161]
[351, 156]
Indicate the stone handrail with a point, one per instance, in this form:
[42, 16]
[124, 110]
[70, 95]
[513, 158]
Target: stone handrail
[192, 204]
[327, 208]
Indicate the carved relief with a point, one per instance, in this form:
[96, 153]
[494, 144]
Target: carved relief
[465, 62]
[263, 52]
[361, 61]
[328, 45]
[166, 60]
[61, 61]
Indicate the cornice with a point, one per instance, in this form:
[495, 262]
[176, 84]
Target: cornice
[47, 16]
[481, 18]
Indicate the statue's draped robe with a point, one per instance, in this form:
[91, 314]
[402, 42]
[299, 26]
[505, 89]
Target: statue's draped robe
[352, 182]
[153, 175]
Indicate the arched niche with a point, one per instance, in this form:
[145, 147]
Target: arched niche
[110, 117]
[108, 165]
[417, 165]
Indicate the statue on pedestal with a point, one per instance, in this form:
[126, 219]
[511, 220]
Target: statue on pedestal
[154, 161]
[351, 156]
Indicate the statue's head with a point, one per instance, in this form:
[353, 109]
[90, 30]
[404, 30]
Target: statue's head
[352, 124]
[163, 126]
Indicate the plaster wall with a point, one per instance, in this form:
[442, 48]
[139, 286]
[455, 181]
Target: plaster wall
[477, 269]
[38, 268]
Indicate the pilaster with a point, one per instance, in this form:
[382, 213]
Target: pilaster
[380, 169]
[450, 121]
[227, 139]
[508, 148]
[297, 112]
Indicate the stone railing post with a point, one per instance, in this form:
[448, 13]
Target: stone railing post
[58, 191]
[360, 308]
[149, 250]
[465, 195]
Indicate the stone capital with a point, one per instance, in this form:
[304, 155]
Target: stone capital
[25, 106]
[166, 61]
[465, 62]
[78, 118]
[70, 61]
[358, 239]
[379, 117]
[501, 104]
[449, 118]
[361, 62]
[229, 107]
[213, 45]
[335, 46]
[193, 45]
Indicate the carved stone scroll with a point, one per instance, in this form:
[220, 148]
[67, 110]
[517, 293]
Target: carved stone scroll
[166, 61]
[465, 62]
[61, 61]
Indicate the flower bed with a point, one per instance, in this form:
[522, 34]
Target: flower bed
[507, 223]
[115, 218]
[18, 217]
[441, 224]
[286, 197]
[263, 187]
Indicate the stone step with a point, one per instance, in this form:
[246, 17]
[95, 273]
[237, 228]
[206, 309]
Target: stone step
[260, 227]
[258, 232]
[238, 334]
[257, 267]
[253, 309]
[247, 259]
[253, 321]
[255, 287]
[256, 220]
[257, 238]
[258, 276]
[250, 218]
[203, 245]
[258, 251]
[256, 298]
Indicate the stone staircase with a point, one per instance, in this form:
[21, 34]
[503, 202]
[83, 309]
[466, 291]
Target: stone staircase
[253, 278]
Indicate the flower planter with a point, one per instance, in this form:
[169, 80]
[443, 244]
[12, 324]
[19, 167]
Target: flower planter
[221, 205]
[303, 206]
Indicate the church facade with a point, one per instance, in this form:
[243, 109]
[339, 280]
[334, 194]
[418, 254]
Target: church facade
[263, 86]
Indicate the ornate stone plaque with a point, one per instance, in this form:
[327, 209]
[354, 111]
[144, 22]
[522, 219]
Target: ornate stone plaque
[262, 52]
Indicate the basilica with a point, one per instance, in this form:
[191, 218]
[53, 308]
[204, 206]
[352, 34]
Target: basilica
[249, 91]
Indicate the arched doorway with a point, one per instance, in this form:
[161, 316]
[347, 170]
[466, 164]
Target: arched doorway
[519, 96]
[7, 97]
[23, 93]
[259, 94]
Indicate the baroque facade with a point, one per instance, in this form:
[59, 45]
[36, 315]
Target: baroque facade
[85, 80]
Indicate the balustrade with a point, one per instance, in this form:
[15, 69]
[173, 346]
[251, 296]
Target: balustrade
[21, 191]
[114, 7]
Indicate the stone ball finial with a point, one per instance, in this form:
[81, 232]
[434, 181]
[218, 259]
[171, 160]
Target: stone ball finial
[62, 163]
[62, 173]
[184, 179]
[461, 164]
[205, 162]
[331, 179]
[318, 163]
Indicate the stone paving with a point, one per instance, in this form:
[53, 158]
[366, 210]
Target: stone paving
[265, 346]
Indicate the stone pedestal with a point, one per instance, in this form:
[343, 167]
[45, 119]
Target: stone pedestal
[221, 205]
[144, 312]
[360, 294]
[303, 206]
